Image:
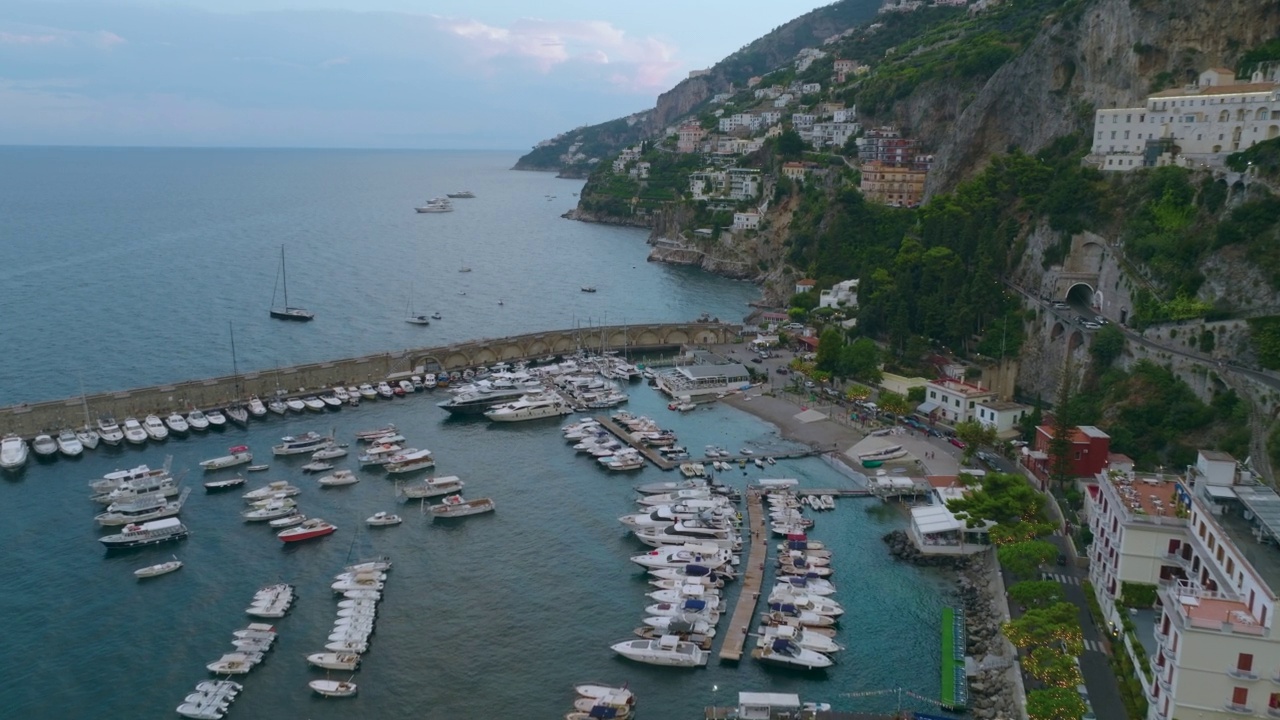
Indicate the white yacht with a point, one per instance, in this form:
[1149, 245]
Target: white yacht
[256, 408]
[675, 556]
[385, 391]
[334, 660]
[237, 455]
[410, 461]
[295, 404]
[109, 431]
[782, 651]
[805, 638]
[666, 650]
[297, 445]
[530, 407]
[196, 420]
[155, 428]
[216, 418]
[13, 452]
[277, 406]
[69, 444]
[313, 403]
[134, 432]
[88, 437]
[44, 445]
[367, 392]
[177, 424]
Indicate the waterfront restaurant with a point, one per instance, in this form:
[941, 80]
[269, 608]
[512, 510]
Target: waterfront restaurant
[935, 530]
[689, 381]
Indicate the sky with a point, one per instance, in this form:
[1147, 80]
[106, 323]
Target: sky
[483, 74]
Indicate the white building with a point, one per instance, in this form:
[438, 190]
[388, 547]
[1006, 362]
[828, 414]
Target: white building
[807, 88]
[806, 56]
[783, 100]
[1001, 416]
[935, 530]
[842, 294]
[833, 133]
[1207, 540]
[742, 183]
[849, 114]
[803, 120]
[1194, 126]
[746, 221]
[693, 380]
[953, 401]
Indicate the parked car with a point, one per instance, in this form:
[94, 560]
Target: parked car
[1091, 325]
[987, 459]
[935, 432]
[1061, 306]
[957, 442]
[783, 371]
[1100, 320]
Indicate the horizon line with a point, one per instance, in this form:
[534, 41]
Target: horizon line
[62, 146]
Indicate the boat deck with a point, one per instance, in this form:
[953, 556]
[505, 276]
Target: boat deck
[752, 578]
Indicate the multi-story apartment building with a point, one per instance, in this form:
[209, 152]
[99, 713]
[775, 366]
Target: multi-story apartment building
[953, 401]
[1208, 540]
[892, 184]
[1198, 125]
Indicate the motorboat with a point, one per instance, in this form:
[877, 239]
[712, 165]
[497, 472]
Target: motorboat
[256, 408]
[133, 431]
[155, 428]
[674, 556]
[300, 444]
[316, 466]
[347, 646]
[255, 630]
[480, 399]
[707, 607]
[435, 205]
[333, 688]
[666, 650]
[108, 431]
[788, 613]
[287, 521]
[455, 506]
[329, 452]
[362, 575]
[708, 581]
[177, 424]
[406, 386]
[258, 468]
[238, 415]
[132, 477]
[197, 420]
[461, 194]
[148, 533]
[278, 406]
[613, 705]
[801, 583]
[313, 403]
[69, 445]
[375, 433]
[88, 437]
[274, 489]
[379, 454]
[681, 593]
[237, 663]
[368, 392]
[530, 407]
[598, 691]
[685, 572]
[385, 391]
[358, 585]
[163, 568]
[432, 487]
[309, 529]
[142, 508]
[410, 461]
[339, 478]
[274, 509]
[295, 404]
[334, 660]
[134, 489]
[331, 401]
[782, 651]
[236, 455]
[801, 636]
[216, 419]
[383, 519]
[340, 393]
[380, 564]
[812, 603]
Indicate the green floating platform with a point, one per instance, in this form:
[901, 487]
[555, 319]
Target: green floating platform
[955, 684]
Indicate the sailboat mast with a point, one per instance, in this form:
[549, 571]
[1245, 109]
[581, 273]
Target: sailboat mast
[284, 277]
[235, 369]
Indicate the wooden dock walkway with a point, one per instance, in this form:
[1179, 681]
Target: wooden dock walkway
[655, 457]
[834, 492]
[744, 613]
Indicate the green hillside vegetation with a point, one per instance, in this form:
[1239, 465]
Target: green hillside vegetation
[620, 195]
[598, 141]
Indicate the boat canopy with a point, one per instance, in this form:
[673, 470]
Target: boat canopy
[786, 608]
[604, 712]
[695, 605]
[238, 449]
[697, 570]
[783, 646]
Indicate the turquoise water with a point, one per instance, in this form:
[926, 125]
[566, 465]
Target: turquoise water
[492, 614]
[125, 266]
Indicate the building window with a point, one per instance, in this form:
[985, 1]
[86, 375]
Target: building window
[1231, 566]
[1240, 696]
[1077, 454]
[1213, 542]
[1244, 662]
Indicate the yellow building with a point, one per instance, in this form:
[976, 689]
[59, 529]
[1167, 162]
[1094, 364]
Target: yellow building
[891, 185]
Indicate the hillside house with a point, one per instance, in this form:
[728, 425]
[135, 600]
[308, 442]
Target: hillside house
[841, 295]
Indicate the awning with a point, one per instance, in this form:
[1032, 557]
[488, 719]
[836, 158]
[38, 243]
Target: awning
[927, 407]
[932, 519]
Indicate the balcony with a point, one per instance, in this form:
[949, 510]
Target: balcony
[1238, 709]
[1274, 712]
[1164, 683]
[1239, 674]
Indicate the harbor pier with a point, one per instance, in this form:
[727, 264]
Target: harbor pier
[752, 578]
[29, 419]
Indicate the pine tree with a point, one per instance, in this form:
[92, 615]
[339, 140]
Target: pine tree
[1060, 445]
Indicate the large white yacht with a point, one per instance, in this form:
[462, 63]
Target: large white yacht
[155, 427]
[409, 461]
[108, 431]
[69, 444]
[530, 407]
[666, 650]
[134, 432]
[308, 443]
[13, 452]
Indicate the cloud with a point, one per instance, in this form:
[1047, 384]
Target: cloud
[333, 62]
[38, 36]
[642, 64]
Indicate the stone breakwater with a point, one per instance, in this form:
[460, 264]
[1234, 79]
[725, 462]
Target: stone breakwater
[995, 690]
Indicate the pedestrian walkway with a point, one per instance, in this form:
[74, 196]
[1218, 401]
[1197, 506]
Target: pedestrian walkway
[1061, 577]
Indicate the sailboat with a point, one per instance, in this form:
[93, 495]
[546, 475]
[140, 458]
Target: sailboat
[412, 317]
[287, 312]
[87, 436]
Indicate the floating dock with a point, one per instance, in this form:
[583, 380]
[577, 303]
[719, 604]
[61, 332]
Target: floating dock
[752, 578]
[955, 684]
[655, 457]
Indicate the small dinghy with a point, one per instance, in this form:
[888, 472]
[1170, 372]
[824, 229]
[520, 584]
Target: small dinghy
[220, 485]
[287, 521]
[257, 468]
[341, 477]
[163, 568]
[317, 466]
[334, 660]
[382, 519]
[329, 452]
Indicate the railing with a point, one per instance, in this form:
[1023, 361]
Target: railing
[1238, 709]
[1239, 674]
[1274, 711]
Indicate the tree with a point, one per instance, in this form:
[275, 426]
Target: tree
[861, 359]
[975, 435]
[1053, 667]
[915, 395]
[893, 402]
[790, 144]
[804, 300]
[1055, 703]
[1027, 426]
[1060, 444]
[830, 348]
[1047, 626]
[857, 392]
[1002, 498]
[1107, 345]
[1036, 593]
[1025, 558]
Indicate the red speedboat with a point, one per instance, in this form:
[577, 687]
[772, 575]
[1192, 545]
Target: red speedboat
[312, 528]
